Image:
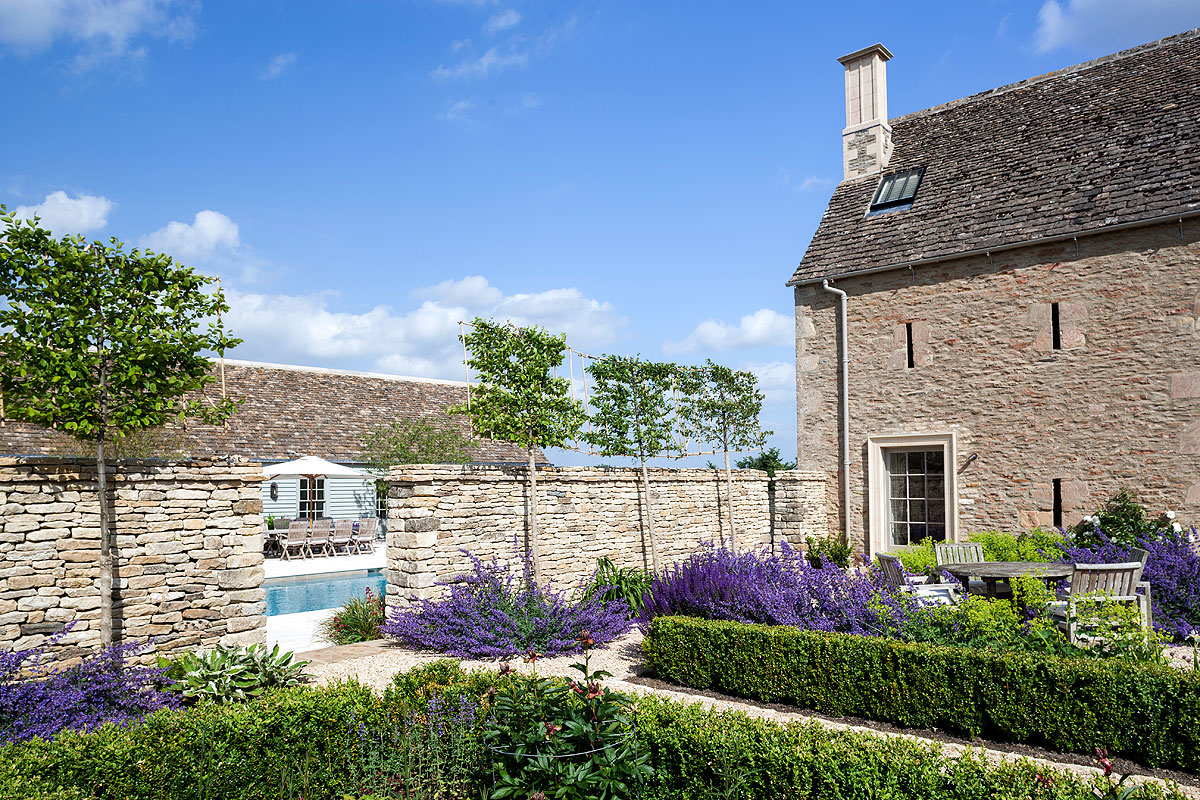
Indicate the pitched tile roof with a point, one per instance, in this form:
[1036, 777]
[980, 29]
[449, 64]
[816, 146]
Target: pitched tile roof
[292, 411]
[1111, 141]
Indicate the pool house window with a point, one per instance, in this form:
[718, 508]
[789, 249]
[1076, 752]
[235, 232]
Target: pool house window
[312, 497]
[912, 490]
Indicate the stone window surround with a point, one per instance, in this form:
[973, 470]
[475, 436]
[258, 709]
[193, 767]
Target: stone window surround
[877, 481]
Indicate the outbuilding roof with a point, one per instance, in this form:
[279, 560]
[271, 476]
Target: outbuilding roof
[289, 411]
[1108, 142]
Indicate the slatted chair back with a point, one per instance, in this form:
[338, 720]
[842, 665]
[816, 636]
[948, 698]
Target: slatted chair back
[893, 570]
[367, 527]
[320, 531]
[1116, 581]
[958, 553]
[1139, 555]
[343, 529]
[297, 532]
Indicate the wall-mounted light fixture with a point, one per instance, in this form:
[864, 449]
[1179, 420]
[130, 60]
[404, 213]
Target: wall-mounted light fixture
[274, 491]
[971, 458]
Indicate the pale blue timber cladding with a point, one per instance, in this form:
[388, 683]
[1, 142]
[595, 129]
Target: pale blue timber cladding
[349, 498]
[287, 504]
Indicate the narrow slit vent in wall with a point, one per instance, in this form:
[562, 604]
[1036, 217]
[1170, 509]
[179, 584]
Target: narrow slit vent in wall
[1058, 508]
[908, 332]
[1055, 327]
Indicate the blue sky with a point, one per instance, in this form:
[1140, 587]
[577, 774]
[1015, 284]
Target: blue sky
[362, 175]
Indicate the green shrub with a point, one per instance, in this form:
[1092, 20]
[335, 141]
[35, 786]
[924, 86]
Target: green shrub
[1034, 545]
[305, 742]
[1122, 519]
[1145, 712]
[700, 753]
[231, 675]
[297, 736]
[828, 548]
[621, 583]
[358, 620]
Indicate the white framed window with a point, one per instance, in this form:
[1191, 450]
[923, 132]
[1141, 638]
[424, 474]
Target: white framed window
[312, 497]
[913, 490]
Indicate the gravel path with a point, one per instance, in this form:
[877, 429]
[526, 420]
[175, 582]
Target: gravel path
[623, 658]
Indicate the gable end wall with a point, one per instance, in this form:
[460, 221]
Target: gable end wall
[1117, 406]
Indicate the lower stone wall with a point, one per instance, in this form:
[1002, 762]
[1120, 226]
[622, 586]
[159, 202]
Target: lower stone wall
[584, 513]
[187, 552]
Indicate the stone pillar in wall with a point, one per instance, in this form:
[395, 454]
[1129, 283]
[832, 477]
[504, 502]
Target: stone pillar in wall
[799, 507]
[411, 541]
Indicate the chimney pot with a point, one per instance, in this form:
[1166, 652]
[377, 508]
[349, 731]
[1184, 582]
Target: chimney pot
[867, 137]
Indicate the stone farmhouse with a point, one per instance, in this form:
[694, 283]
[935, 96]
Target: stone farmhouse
[292, 411]
[997, 318]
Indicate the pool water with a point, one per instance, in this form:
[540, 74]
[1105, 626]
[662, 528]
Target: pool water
[315, 592]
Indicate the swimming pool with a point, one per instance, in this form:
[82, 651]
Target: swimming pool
[324, 590]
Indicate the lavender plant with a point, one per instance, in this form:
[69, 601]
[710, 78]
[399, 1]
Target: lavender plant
[38, 700]
[1172, 569]
[494, 612]
[756, 586]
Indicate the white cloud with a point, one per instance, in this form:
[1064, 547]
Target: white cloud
[811, 183]
[307, 329]
[458, 111]
[278, 65]
[103, 28]
[66, 215]
[490, 63]
[763, 328]
[528, 102]
[197, 242]
[501, 21]
[473, 291]
[1111, 24]
[776, 380]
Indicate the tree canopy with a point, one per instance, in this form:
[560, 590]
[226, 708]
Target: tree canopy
[414, 441]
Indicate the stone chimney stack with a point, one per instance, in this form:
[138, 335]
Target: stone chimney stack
[867, 139]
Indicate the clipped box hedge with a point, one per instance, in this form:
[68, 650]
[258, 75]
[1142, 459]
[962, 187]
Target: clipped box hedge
[303, 742]
[1148, 713]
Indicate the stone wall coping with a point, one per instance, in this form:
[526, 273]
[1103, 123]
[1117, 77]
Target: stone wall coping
[433, 473]
[33, 468]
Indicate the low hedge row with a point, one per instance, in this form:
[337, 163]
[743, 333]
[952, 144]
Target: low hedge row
[1147, 713]
[301, 742]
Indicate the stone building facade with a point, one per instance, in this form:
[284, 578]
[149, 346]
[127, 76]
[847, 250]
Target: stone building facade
[584, 514]
[187, 553]
[1022, 332]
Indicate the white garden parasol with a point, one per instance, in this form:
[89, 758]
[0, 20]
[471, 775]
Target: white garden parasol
[311, 467]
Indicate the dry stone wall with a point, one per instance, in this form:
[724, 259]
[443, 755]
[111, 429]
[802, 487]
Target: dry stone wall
[584, 513]
[187, 550]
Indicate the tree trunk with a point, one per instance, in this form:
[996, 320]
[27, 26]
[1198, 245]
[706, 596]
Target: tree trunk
[106, 559]
[533, 520]
[649, 519]
[729, 484]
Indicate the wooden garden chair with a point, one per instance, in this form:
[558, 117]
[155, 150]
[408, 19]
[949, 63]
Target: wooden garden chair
[319, 538]
[343, 536]
[364, 540]
[893, 575]
[1100, 583]
[964, 553]
[296, 540]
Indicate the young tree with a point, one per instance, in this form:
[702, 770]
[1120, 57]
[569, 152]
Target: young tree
[414, 441]
[722, 406]
[99, 343]
[518, 399]
[631, 417]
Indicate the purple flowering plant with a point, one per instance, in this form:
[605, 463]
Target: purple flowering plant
[757, 586]
[38, 700]
[1172, 569]
[496, 612]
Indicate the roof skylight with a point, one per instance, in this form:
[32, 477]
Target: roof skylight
[897, 190]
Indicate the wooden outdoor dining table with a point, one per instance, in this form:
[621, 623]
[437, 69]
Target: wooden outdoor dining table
[992, 572]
